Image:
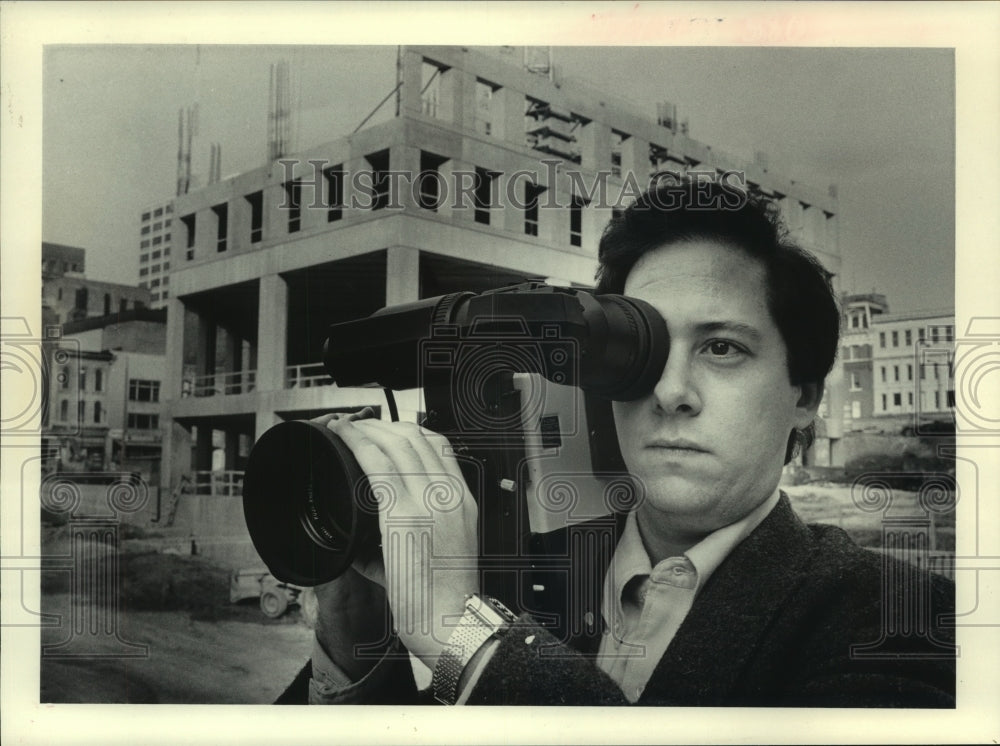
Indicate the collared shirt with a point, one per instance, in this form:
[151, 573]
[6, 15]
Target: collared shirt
[644, 606]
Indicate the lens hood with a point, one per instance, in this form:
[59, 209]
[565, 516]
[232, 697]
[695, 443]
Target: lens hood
[303, 498]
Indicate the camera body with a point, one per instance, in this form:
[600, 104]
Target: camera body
[520, 382]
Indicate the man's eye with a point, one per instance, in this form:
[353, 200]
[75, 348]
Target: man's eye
[722, 348]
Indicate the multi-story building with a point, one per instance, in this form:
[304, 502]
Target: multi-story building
[155, 231]
[67, 295]
[487, 175]
[912, 368]
[105, 392]
[858, 338]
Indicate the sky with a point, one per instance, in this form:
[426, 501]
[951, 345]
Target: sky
[877, 122]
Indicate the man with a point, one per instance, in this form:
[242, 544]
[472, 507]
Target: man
[716, 594]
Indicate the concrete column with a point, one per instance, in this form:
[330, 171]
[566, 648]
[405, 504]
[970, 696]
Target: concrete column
[272, 329]
[264, 419]
[458, 97]
[405, 159]
[402, 275]
[595, 146]
[508, 118]
[635, 159]
[458, 204]
[174, 373]
[412, 68]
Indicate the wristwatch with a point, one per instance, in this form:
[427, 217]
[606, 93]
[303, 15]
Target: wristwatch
[484, 617]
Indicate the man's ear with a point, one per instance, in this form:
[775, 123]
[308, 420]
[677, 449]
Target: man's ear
[810, 395]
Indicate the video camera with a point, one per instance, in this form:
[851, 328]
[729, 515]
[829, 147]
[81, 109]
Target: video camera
[519, 380]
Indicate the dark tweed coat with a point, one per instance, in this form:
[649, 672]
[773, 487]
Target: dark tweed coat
[774, 626]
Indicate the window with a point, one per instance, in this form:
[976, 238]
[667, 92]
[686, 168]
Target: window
[166, 223]
[221, 211]
[576, 220]
[934, 334]
[165, 293]
[140, 421]
[81, 300]
[157, 240]
[97, 413]
[855, 321]
[166, 251]
[895, 339]
[155, 283]
[156, 255]
[935, 370]
[63, 410]
[123, 304]
[923, 371]
[897, 400]
[950, 398]
[81, 411]
[145, 216]
[140, 390]
[429, 196]
[189, 224]
[166, 280]
[483, 195]
[59, 294]
[144, 271]
[379, 163]
[937, 400]
[98, 380]
[157, 226]
[855, 382]
[334, 192]
[143, 258]
[921, 335]
[145, 230]
[895, 372]
[909, 398]
[532, 195]
[64, 378]
[256, 201]
[884, 404]
[883, 374]
[909, 372]
[107, 303]
[293, 203]
[170, 209]
[144, 244]
[166, 236]
[157, 212]
[83, 379]
[881, 339]
[909, 337]
[154, 297]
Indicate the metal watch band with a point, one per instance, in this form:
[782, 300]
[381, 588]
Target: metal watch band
[483, 618]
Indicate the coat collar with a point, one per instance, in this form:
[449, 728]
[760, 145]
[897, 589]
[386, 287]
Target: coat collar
[734, 609]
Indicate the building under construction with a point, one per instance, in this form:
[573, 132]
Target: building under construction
[489, 173]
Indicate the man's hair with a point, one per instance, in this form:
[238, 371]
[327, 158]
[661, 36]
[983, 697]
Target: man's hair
[799, 294]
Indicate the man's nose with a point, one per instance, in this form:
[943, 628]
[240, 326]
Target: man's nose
[677, 390]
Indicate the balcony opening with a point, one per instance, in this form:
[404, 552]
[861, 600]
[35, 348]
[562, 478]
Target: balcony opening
[334, 292]
[379, 164]
[256, 202]
[335, 192]
[577, 204]
[429, 196]
[483, 194]
[189, 226]
[293, 202]
[222, 226]
[430, 87]
[532, 196]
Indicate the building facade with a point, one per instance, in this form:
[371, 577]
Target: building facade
[104, 397]
[487, 175]
[156, 230]
[68, 295]
[858, 338]
[913, 368]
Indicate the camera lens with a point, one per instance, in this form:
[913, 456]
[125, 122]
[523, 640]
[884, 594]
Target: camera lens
[301, 495]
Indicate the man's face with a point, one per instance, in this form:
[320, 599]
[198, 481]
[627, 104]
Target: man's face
[709, 441]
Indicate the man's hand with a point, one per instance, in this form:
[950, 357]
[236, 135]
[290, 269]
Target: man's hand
[429, 524]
